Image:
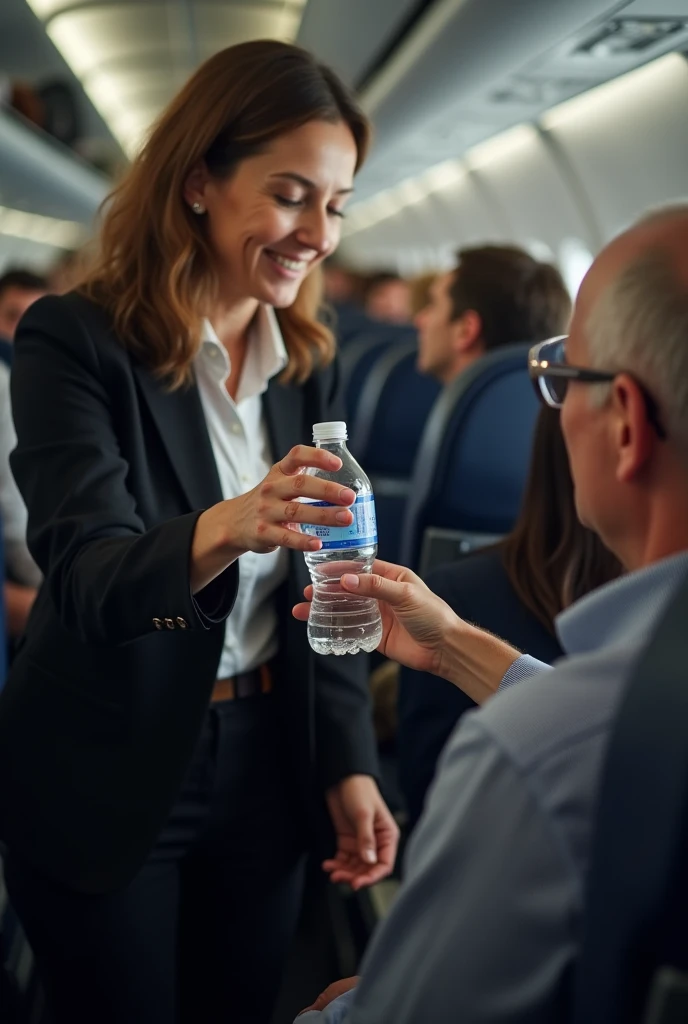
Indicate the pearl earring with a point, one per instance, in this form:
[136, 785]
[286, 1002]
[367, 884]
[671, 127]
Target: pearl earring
[197, 208]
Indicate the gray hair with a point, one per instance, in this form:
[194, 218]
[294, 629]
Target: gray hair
[640, 325]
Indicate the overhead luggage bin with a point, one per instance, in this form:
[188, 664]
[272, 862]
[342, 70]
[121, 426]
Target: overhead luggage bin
[38, 175]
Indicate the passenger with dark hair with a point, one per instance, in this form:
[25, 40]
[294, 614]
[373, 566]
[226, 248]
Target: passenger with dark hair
[19, 288]
[515, 590]
[343, 308]
[168, 740]
[387, 297]
[497, 295]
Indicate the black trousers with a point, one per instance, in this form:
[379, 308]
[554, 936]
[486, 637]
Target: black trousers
[201, 933]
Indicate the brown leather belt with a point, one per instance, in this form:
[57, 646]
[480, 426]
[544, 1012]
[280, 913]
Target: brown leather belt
[246, 684]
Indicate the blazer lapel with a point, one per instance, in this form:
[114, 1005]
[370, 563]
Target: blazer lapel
[179, 418]
[284, 412]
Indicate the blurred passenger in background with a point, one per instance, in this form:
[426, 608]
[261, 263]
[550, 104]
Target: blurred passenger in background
[387, 297]
[168, 739]
[497, 295]
[341, 286]
[19, 288]
[515, 590]
[342, 292]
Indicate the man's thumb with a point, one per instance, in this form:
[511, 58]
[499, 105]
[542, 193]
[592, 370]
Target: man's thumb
[370, 585]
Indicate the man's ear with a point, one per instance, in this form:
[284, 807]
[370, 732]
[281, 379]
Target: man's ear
[467, 332]
[633, 435]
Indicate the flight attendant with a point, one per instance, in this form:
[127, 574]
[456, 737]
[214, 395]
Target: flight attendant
[165, 732]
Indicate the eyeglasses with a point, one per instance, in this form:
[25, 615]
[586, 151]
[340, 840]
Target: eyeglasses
[551, 374]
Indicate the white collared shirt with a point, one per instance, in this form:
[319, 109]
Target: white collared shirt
[241, 446]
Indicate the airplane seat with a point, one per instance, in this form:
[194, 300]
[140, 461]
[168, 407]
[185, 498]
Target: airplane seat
[472, 461]
[349, 322]
[360, 356]
[393, 409]
[633, 965]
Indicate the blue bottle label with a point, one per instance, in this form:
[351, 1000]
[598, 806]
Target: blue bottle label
[361, 533]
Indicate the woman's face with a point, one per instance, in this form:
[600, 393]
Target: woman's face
[280, 212]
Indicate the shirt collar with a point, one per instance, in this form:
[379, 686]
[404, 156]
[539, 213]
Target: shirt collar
[623, 611]
[265, 358]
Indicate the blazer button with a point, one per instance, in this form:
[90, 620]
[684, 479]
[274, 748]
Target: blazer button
[182, 623]
[158, 623]
[169, 623]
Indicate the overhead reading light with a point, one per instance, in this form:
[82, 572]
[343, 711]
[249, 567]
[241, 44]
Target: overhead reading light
[62, 234]
[626, 36]
[132, 57]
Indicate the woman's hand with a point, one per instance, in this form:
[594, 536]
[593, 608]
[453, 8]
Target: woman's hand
[367, 834]
[267, 517]
[415, 622]
[332, 992]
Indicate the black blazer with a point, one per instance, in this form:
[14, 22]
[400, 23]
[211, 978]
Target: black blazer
[102, 708]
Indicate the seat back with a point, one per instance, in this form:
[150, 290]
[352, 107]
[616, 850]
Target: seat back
[358, 359]
[634, 956]
[392, 412]
[474, 454]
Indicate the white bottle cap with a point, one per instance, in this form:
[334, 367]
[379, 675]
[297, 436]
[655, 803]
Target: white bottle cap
[334, 430]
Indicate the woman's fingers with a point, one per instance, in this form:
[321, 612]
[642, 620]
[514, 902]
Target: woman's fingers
[304, 455]
[306, 512]
[302, 485]
[274, 535]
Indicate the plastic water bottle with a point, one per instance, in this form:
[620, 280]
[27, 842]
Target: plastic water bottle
[341, 622]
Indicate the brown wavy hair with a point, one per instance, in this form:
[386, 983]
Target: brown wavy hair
[550, 558]
[154, 269]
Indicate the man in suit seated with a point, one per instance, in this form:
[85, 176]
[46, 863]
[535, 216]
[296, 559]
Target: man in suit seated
[496, 295]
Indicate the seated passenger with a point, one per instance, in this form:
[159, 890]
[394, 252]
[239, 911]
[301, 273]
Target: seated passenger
[487, 925]
[387, 297]
[496, 296]
[514, 589]
[341, 290]
[19, 289]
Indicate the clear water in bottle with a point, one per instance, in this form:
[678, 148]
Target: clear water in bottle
[341, 622]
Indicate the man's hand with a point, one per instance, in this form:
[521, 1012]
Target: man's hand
[415, 622]
[367, 834]
[333, 991]
[421, 631]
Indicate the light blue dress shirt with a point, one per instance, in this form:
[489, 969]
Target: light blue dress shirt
[486, 924]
